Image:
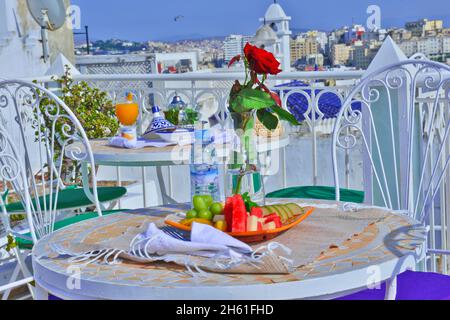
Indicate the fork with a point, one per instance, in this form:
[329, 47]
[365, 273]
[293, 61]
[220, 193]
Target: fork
[175, 233]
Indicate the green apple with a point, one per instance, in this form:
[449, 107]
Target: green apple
[216, 208]
[208, 200]
[205, 214]
[191, 214]
[199, 203]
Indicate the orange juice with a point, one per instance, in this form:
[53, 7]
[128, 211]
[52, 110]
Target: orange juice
[127, 113]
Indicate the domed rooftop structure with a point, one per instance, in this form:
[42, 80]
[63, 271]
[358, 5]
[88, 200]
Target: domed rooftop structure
[265, 34]
[275, 13]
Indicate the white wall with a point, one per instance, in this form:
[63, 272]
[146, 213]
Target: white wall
[20, 48]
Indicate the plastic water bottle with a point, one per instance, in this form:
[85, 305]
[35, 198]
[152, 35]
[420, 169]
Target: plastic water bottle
[204, 168]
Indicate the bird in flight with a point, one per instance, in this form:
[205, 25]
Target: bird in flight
[178, 18]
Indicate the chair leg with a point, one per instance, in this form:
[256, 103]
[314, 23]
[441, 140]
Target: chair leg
[26, 273]
[13, 282]
[13, 278]
[391, 289]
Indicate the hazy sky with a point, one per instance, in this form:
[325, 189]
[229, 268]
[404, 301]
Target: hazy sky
[154, 19]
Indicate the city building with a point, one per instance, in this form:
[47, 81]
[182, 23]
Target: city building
[409, 47]
[437, 47]
[340, 54]
[234, 45]
[302, 47]
[362, 53]
[400, 34]
[176, 62]
[423, 27]
[315, 60]
[320, 36]
[355, 33]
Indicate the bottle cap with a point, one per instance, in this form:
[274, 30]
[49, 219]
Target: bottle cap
[129, 96]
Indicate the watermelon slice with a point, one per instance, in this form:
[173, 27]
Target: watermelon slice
[270, 226]
[257, 212]
[260, 226]
[228, 212]
[239, 219]
[274, 218]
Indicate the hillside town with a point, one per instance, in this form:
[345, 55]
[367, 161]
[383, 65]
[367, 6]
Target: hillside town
[349, 46]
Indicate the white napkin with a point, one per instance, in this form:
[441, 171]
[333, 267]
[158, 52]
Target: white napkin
[206, 241]
[121, 142]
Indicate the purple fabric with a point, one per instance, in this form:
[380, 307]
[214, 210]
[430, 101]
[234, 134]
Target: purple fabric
[411, 286]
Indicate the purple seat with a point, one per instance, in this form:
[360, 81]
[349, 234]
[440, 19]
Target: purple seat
[411, 286]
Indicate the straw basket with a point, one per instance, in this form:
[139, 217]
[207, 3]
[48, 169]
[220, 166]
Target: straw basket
[264, 132]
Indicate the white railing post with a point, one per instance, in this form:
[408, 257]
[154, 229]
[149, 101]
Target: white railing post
[313, 128]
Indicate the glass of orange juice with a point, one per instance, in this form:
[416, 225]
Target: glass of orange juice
[127, 112]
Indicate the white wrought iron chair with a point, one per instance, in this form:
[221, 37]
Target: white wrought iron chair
[399, 117]
[33, 156]
[12, 171]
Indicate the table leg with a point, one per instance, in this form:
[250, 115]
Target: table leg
[41, 294]
[391, 289]
[119, 184]
[144, 186]
[162, 186]
[283, 167]
[85, 180]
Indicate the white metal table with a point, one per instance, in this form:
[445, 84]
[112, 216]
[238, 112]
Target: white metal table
[383, 249]
[106, 155]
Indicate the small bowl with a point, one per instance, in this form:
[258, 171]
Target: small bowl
[179, 136]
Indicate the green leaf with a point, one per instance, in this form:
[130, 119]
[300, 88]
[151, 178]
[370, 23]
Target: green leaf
[284, 115]
[252, 99]
[267, 119]
[249, 204]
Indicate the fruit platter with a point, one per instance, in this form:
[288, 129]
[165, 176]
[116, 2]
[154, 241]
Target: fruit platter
[241, 218]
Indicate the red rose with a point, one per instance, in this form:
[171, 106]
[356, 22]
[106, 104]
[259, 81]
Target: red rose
[261, 61]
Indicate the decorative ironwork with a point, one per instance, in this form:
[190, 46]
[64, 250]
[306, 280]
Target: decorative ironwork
[407, 154]
[35, 161]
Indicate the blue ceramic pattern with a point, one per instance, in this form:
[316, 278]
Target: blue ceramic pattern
[329, 103]
[159, 123]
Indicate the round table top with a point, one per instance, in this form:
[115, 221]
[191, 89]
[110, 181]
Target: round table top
[104, 154]
[382, 245]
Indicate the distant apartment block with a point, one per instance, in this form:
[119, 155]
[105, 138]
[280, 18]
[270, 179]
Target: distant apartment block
[433, 47]
[400, 34]
[320, 36]
[234, 45]
[303, 47]
[423, 27]
[355, 33]
[315, 60]
[362, 53]
[340, 54]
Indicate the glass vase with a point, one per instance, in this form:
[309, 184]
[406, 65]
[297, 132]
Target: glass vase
[243, 170]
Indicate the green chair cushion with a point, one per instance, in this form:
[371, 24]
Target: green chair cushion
[318, 192]
[73, 198]
[23, 243]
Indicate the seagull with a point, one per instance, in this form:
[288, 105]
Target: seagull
[178, 18]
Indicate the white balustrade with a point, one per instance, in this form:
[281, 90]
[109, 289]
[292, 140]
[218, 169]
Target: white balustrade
[310, 144]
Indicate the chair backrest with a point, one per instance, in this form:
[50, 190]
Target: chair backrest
[399, 117]
[48, 142]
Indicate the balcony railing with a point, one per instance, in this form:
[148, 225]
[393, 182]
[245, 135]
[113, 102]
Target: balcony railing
[211, 90]
[307, 159]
